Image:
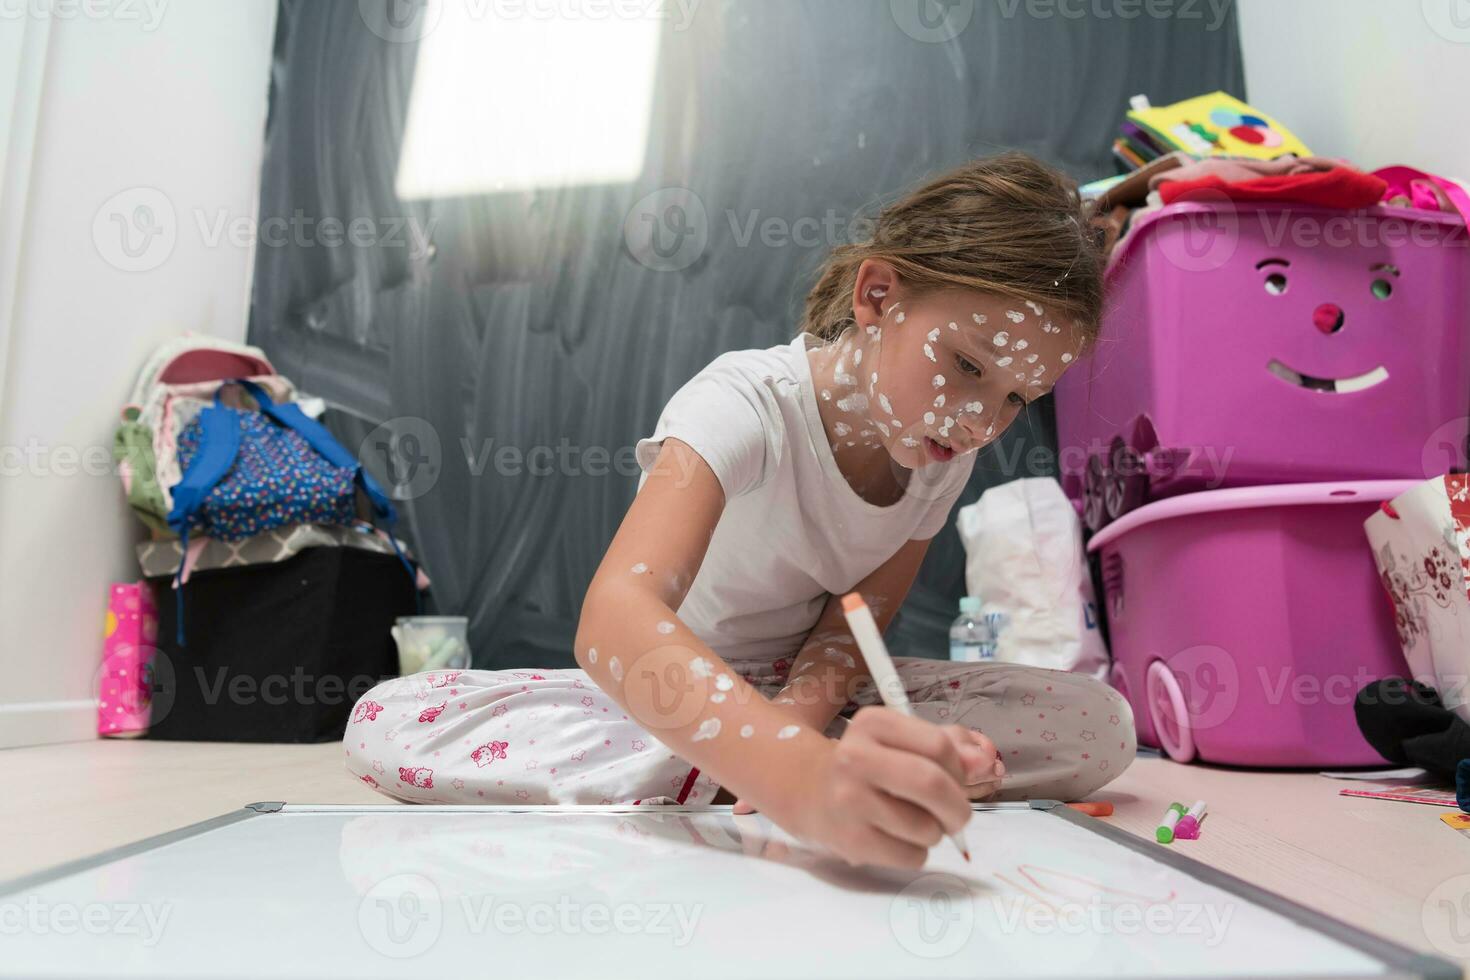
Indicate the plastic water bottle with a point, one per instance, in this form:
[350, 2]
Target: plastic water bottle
[971, 638]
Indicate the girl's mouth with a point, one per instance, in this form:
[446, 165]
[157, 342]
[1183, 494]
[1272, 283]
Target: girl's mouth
[938, 451]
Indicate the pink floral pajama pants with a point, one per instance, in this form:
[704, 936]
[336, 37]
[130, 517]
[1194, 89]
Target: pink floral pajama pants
[553, 736]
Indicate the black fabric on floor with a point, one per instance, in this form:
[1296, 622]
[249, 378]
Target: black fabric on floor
[1408, 725]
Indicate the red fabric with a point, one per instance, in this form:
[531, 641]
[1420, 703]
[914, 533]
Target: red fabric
[688, 785]
[1340, 187]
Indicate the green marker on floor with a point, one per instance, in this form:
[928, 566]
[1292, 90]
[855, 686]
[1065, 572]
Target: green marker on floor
[1164, 833]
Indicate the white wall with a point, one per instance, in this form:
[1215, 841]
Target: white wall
[159, 103]
[1376, 82]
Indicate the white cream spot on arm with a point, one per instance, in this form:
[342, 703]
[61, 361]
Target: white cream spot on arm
[708, 729]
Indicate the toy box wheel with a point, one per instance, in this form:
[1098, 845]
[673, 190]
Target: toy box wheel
[1169, 711]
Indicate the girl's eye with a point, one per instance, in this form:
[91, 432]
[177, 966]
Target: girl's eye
[966, 366]
[1016, 399]
[1275, 284]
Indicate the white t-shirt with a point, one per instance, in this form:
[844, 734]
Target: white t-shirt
[793, 531]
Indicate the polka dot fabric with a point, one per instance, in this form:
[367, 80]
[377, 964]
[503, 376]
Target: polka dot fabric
[277, 479]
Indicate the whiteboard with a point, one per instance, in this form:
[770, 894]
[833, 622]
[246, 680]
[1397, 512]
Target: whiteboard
[564, 892]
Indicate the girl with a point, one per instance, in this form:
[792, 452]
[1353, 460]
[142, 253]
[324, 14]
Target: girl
[713, 648]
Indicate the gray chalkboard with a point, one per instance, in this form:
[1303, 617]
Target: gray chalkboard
[461, 326]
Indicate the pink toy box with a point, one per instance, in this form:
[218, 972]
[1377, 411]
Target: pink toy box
[125, 679]
[1248, 344]
[1244, 621]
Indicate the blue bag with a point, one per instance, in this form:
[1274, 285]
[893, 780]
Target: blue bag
[247, 472]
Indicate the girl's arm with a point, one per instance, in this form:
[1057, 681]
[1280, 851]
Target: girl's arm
[884, 794]
[829, 670]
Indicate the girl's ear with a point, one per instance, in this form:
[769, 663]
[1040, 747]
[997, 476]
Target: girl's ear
[874, 291]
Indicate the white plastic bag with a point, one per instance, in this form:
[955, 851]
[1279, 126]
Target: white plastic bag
[1024, 558]
[1421, 542]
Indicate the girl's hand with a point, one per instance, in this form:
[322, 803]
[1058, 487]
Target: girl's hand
[884, 794]
[983, 767]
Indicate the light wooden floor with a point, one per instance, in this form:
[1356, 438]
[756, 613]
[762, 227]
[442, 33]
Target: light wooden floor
[1374, 864]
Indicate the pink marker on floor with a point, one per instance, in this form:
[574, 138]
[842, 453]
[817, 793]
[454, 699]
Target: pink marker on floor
[1188, 827]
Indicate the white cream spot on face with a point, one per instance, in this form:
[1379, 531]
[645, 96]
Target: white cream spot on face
[875, 377]
[939, 381]
[1040, 370]
[1066, 358]
[826, 395]
[665, 627]
[898, 318]
[929, 353]
[939, 400]
[724, 683]
[855, 402]
[934, 335]
[882, 428]
[979, 318]
[788, 732]
[1034, 307]
[1015, 316]
[1020, 345]
[615, 668]
[974, 408]
[1032, 358]
[592, 655]
[953, 325]
[640, 569]
[857, 357]
[1001, 339]
[910, 441]
[717, 698]
[708, 729]
[841, 429]
[895, 423]
[948, 423]
[883, 401]
[928, 418]
[746, 731]
[1003, 362]
[701, 667]
[872, 329]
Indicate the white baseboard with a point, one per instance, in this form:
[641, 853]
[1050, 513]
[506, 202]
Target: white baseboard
[47, 722]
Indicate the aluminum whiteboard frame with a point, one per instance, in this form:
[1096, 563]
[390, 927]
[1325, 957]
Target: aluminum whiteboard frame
[1397, 961]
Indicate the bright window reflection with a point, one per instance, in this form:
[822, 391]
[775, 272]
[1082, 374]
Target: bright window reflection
[535, 94]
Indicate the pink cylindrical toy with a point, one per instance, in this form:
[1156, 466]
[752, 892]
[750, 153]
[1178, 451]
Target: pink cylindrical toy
[1243, 622]
[124, 681]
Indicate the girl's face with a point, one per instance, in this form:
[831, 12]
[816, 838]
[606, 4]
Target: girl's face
[947, 372]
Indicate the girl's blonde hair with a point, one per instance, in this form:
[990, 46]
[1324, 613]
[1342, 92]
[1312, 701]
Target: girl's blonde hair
[1008, 224]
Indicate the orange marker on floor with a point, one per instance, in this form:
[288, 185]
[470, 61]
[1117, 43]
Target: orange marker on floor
[1101, 808]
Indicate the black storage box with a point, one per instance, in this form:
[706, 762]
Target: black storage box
[276, 652]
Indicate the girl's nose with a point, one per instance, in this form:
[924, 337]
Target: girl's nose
[1328, 318]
